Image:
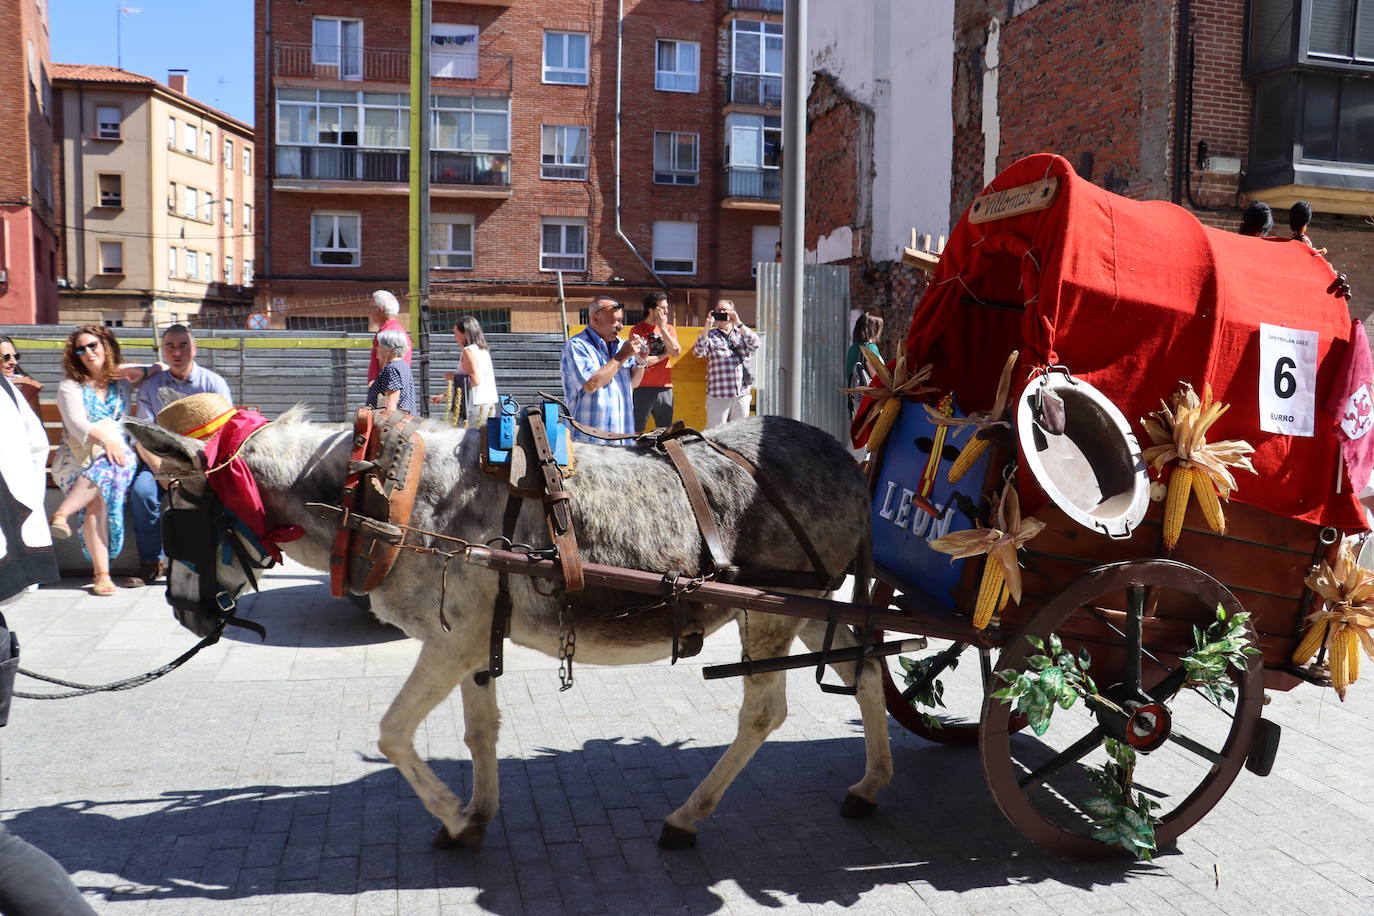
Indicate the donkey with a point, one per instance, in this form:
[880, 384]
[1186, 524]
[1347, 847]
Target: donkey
[630, 510]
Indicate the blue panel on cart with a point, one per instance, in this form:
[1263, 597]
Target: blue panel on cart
[501, 435]
[902, 530]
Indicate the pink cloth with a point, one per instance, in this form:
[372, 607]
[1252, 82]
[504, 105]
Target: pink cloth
[1352, 403]
[234, 483]
[392, 324]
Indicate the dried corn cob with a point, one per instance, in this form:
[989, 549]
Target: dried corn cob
[1341, 646]
[1311, 641]
[1206, 492]
[891, 407]
[1354, 663]
[989, 593]
[1176, 504]
[968, 456]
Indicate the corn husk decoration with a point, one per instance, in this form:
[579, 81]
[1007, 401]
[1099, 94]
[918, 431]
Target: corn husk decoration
[1001, 571]
[978, 421]
[1179, 432]
[1342, 624]
[887, 397]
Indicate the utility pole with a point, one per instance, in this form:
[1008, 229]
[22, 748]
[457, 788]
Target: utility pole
[418, 235]
[794, 86]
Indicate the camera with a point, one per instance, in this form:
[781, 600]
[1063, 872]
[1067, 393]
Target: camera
[656, 346]
[721, 315]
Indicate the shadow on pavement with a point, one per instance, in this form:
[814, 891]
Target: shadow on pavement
[308, 616]
[577, 826]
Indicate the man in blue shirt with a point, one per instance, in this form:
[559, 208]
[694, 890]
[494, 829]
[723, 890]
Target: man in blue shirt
[182, 377]
[600, 372]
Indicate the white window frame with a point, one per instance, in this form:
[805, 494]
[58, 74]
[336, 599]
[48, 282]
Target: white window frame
[189, 202]
[668, 234]
[333, 55]
[228, 270]
[172, 198]
[189, 136]
[439, 253]
[229, 211]
[445, 61]
[192, 264]
[755, 254]
[172, 254]
[556, 162]
[562, 74]
[673, 174]
[443, 103]
[737, 124]
[207, 146]
[106, 129]
[118, 202]
[228, 155]
[247, 159]
[335, 216]
[171, 132]
[207, 267]
[666, 80]
[207, 207]
[564, 222]
[111, 266]
[740, 28]
[248, 272]
[247, 217]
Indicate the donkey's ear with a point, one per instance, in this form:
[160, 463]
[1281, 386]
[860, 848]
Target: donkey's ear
[164, 443]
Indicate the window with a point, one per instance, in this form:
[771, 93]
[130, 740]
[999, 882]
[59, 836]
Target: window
[172, 262]
[675, 248]
[228, 155]
[765, 246]
[339, 43]
[563, 245]
[563, 152]
[247, 273]
[188, 138]
[334, 240]
[753, 141]
[111, 190]
[205, 258]
[207, 145]
[171, 133]
[207, 207]
[172, 197]
[330, 117]
[188, 202]
[247, 217]
[565, 58]
[192, 265]
[675, 157]
[247, 161]
[453, 51]
[450, 243]
[676, 67]
[229, 211]
[228, 269]
[471, 124]
[107, 122]
[756, 62]
[112, 257]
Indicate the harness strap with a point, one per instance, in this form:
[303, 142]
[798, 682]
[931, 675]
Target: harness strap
[343, 538]
[501, 608]
[706, 520]
[558, 506]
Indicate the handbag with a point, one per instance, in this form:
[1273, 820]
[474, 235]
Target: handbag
[75, 454]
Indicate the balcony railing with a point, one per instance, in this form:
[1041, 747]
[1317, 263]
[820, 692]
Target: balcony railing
[390, 65]
[759, 184]
[323, 163]
[754, 89]
[758, 6]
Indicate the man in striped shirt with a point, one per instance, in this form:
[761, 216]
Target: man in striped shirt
[600, 372]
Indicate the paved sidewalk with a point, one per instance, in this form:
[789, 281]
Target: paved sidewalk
[249, 782]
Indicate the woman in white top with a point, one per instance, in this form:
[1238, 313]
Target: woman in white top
[475, 372]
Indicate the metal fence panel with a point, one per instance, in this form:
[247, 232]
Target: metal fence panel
[825, 338]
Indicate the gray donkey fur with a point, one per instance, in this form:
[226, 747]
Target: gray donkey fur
[631, 511]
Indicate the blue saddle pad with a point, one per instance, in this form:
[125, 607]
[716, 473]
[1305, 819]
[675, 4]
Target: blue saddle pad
[902, 530]
[501, 432]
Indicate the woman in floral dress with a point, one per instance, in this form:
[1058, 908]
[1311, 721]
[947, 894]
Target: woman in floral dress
[94, 464]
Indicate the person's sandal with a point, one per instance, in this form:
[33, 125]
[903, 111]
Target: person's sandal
[103, 585]
[59, 528]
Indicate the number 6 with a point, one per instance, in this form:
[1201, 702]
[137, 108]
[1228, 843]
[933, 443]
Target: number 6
[1284, 382]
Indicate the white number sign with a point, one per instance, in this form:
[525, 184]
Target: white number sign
[1287, 380]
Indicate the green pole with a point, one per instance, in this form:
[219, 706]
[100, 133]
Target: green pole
[417, 292]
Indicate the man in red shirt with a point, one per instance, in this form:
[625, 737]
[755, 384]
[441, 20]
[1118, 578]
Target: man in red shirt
[654, 394]
[382, 312]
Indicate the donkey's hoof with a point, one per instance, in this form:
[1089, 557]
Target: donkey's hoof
[675, 838]
[467, 838]
[856, 807]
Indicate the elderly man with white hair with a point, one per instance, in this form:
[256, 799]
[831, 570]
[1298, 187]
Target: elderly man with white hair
[382, 312]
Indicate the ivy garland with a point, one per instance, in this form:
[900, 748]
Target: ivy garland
[913, 670]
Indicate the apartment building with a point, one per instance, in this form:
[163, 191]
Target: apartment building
[157, 201]
[28, 220]
[530, 102]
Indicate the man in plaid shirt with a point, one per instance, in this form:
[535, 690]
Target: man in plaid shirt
[600, 373]
[728, 347]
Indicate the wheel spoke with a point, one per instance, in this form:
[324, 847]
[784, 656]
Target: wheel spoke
[1196, 747]
[938, 665]
[1135, 609]
[1072, 754]
[1105, 621]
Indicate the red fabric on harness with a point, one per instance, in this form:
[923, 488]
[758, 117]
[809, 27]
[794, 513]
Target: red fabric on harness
[234, 483]
[1134, 297]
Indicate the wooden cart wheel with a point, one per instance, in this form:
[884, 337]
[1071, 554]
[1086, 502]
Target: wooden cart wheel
[957, 729]
[1187, 757]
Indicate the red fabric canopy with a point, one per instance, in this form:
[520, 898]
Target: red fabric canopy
[1135, 297]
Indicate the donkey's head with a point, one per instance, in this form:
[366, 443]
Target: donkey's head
[212, 555]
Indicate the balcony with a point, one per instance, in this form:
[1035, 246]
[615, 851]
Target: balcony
[749, 188]
[387, 171]
[753, 89]
[758, 6]
[299, 60]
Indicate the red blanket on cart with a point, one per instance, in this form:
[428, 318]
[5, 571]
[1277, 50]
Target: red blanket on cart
[1134, 297]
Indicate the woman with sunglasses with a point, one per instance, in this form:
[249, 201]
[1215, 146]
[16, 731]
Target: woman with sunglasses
[94, 464]
[9, 367]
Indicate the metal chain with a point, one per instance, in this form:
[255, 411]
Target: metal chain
[567, 644]
[744, 634]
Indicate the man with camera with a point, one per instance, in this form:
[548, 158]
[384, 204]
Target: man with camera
[654, 394]
[600, 372]
[728, 347]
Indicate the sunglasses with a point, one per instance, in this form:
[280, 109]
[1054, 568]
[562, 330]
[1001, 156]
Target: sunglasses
[92, 347]
[9, 357]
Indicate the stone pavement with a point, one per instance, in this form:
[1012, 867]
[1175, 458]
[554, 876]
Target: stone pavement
[249, 782]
